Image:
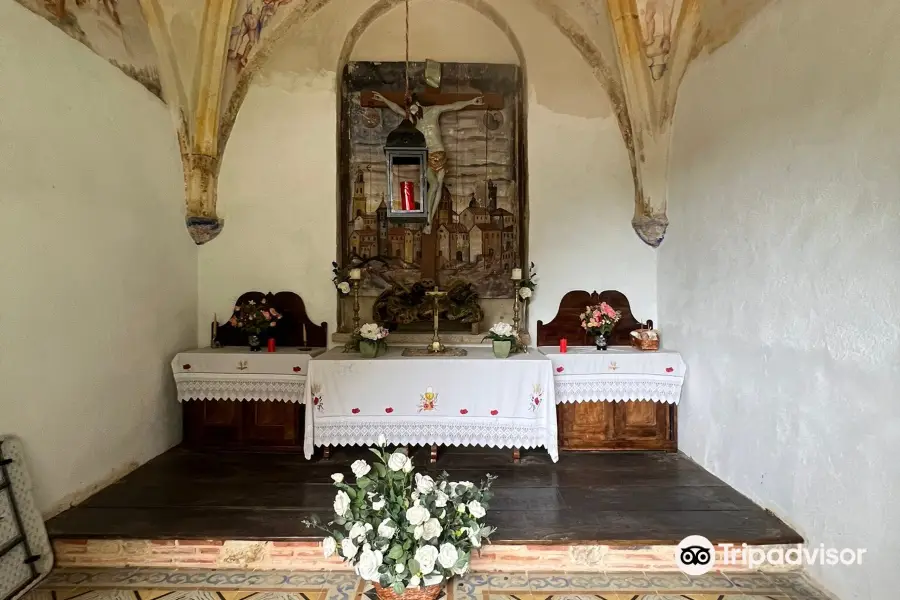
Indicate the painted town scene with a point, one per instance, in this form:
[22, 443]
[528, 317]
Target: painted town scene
[477, 226]
[114, 29]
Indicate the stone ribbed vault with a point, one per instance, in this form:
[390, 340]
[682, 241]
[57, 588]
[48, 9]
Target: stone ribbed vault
[208, 51]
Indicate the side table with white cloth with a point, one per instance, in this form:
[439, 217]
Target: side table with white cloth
[604, 380]
[472, 400]
[235, 397]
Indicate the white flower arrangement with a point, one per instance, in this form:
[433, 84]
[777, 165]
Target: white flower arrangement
[373, 332]
[401, 530]
[502, 332]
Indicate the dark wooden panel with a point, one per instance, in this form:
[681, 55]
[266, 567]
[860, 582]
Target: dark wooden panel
[567, 322]
[212, 423]
[272, 423]
[295, 329]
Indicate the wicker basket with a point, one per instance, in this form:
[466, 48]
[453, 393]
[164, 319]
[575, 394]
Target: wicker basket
[644, 343]
[427, 593]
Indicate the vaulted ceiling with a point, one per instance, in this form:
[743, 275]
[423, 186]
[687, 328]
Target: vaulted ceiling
[199, 56]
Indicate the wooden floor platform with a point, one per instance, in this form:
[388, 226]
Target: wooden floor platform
[609, 498]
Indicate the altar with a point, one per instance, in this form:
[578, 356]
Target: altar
[472, 400]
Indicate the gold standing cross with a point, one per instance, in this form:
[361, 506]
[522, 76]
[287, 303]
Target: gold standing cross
[436, 347]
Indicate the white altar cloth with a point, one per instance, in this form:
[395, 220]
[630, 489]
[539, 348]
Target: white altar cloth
[622, 373]
[478, 400]
[235, 373]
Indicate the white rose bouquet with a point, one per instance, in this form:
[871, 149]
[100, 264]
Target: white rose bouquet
[403, 530]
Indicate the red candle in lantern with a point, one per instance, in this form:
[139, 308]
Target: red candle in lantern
[407, 196]
[563, 345]
[271, 344]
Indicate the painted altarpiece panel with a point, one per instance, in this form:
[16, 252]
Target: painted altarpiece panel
[479, 230]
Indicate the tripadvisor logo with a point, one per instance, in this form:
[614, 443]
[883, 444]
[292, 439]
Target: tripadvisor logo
[695, 555]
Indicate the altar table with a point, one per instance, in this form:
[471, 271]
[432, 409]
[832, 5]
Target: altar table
[621, 373]
[235, 373]
[473, 400]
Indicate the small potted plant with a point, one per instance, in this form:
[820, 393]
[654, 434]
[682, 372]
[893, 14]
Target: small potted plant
[599, 321]
[255, 320]
[368, 340]
[503, 339]
[405, 532]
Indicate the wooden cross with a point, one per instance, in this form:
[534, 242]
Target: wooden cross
[433, 98]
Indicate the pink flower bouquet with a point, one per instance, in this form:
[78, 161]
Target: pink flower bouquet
[599, 319]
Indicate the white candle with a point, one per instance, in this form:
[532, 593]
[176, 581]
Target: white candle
[355, 274]
[517, 274]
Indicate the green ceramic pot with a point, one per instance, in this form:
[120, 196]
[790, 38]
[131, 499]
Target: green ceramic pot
[370, 349]
[502, 349]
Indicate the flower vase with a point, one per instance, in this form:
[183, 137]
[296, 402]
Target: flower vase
[370, 349]
[417, 593]
[601, 342]
[253, 341]
[502, 348]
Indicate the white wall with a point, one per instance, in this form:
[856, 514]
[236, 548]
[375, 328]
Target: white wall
[98, 272]
[277, 186]
[779, 275]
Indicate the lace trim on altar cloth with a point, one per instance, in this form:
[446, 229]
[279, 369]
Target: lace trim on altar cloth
[620, 389]
[494, 435]
[245, 389]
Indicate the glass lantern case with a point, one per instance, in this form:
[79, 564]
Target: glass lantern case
[407, 163]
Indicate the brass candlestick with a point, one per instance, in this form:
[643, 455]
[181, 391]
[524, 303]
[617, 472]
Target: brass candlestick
[436, 346]
[516, 313]
[516, 278]
[355, 284]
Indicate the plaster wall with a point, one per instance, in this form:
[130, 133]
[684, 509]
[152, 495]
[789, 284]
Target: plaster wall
[98, 273]
[778, 279]
[277, 185]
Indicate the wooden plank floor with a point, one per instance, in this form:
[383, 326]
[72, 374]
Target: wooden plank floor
[609, 498]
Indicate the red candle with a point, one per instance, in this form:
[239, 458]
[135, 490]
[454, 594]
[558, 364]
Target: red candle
[271, 344]
[407, 196]
[563, 345]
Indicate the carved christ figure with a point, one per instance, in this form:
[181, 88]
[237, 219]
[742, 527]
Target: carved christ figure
[427, 119]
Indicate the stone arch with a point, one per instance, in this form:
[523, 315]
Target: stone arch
[301, 13]
[382, 7]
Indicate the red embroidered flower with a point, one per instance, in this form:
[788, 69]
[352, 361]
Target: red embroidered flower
[389, 410]
[463, 411]
[559, 369]
[186, 367]
[297, 369]
[669, 369]
[316, 401]
[494, 413]
[355, 411]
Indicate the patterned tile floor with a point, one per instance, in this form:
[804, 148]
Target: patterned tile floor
[219, 584]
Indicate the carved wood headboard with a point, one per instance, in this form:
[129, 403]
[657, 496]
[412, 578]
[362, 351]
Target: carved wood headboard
[294, 329]
[567, 322]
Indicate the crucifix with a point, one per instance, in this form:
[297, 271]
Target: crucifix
[425, 112]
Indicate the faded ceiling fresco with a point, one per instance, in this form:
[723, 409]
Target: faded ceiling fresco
[210, 50]
[114, 29]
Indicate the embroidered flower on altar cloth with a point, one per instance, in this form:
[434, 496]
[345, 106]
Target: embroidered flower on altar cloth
[318, 400]
[428, 400]
[537, 396]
